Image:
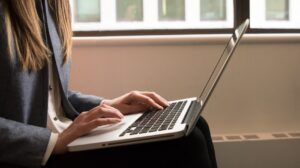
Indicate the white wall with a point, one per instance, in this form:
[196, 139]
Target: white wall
[259, 91]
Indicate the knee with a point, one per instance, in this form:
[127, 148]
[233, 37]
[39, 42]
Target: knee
[196, 137]
[202, 125]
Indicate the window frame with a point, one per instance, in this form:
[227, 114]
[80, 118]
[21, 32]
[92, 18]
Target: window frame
[241, 13]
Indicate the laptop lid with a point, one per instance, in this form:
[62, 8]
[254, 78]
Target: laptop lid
[198, 106]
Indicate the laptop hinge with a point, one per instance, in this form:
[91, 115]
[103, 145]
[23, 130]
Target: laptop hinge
[193, 109]
[192, 116]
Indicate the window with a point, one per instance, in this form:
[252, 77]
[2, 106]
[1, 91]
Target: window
[213, 10]
[123, 17]
[275, 14]
[131, 10]
[171, 10]
[109, 15]
[87, 12]
[277, 10]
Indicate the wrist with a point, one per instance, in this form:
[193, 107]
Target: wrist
[106, 102]
[60, 146]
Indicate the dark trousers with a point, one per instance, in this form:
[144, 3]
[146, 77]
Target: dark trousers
[195, 150]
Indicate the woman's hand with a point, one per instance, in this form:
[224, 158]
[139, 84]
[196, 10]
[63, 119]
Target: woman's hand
[109, 112]
[84, 123]
[137, 101]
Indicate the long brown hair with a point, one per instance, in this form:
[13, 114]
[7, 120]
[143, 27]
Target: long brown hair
[24, 32]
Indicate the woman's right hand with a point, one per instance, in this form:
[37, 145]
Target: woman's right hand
[84, 123]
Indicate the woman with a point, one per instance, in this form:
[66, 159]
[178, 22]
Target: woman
[39, 116]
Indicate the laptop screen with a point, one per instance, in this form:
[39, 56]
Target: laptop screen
[222, 62]
[216, 74]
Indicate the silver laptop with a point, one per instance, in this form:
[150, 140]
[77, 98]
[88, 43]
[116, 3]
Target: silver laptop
[173, 122]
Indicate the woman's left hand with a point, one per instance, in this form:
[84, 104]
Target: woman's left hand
[137, 101]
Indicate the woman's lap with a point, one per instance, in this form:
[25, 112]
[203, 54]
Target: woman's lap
[194, 150]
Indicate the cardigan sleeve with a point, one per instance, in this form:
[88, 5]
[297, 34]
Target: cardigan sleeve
[82, 102]
[22, 144]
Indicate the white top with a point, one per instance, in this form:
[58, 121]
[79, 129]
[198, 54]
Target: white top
[56, 119]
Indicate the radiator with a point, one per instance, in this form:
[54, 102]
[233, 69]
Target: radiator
[258, 150]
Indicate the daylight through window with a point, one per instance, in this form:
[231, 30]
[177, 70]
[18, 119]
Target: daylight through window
[151, 14]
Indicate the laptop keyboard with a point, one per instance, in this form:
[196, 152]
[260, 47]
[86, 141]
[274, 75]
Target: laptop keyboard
[153, 121]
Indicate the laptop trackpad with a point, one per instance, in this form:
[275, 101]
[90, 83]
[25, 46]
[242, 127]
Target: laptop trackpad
[114, 127]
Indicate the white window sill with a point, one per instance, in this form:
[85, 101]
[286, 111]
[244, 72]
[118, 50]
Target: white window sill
[183, 39]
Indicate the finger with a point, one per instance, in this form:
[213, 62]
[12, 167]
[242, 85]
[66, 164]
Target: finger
[133, 108]
[157, 98]
[117, 111]
[105, 112]
[102, 121]
[94, 109]
[139, 97]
